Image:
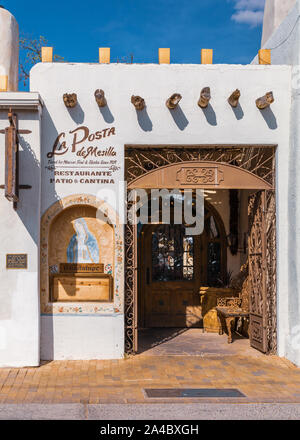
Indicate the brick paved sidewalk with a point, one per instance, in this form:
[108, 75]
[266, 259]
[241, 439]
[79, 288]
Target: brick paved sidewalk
[260, 378]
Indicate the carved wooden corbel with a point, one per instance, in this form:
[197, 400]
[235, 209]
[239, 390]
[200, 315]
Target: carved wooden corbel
[204, 97]
[138, 102]
[173, 101]
[70, 100]
[265, 101]
[234, 98]
[100, 98]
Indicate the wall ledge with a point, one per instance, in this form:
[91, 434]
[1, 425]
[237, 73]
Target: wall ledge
[21, 101]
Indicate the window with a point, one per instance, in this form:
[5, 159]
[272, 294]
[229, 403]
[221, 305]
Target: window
[214, 243]
[180, 257]
[172, 254]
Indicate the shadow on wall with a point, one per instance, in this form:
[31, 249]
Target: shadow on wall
[269, 117]
[49, 129]
[179, 117]
[76, 113]
[238, 111]
[210, 115]
[30, 174]
[143, 119]
[29, 207]
[106, 114]
[31, 203]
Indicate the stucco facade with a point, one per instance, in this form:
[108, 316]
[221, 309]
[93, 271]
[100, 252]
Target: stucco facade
[75, 157]
[64, 330]
[275, 13]
[9, 49]
[284, 45]
[19, 290]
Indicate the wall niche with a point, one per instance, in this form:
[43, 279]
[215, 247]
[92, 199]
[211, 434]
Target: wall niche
[81, 256]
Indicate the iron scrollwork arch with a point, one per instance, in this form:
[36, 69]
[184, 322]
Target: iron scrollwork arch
[140, 160]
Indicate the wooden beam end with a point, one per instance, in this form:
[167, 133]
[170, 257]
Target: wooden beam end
[164, 55]
[206, 56]
[47, 54]
[264, 56]
[104, 55]
[3, 83]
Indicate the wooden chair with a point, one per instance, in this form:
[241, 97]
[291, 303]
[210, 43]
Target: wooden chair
[229, 309]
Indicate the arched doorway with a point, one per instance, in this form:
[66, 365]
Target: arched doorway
[173, 266]
[212, 167]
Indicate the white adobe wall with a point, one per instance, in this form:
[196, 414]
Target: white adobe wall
[82, 337]
[156, 125]
[9, 48]
[284, 41]
[285, 49]
[275, 13]
[19, 233]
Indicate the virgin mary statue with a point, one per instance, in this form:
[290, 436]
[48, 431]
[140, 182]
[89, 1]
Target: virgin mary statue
[83, 246]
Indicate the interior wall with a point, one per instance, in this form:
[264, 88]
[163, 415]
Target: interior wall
[220, 201]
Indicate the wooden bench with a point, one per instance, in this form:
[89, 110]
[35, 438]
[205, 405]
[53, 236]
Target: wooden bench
[229, 309]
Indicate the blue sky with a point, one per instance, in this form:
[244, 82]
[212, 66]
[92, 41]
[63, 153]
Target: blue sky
[77, 28]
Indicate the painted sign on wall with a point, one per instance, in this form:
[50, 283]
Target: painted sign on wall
[77, 157]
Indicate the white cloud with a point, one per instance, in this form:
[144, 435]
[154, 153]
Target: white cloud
[253, 18]
[249, 12]
[250, 4]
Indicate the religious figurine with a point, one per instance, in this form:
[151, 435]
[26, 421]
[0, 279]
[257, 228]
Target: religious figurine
[83, 246]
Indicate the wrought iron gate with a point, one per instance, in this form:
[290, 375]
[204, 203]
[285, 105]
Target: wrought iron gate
[131, 335]
[262, 271]
[258, 160]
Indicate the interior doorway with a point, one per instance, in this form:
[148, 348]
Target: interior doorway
[173, 266]
[213, 169]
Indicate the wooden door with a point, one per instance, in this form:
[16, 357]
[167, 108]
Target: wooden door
[170, 278]
[257, 272]
[262, 270]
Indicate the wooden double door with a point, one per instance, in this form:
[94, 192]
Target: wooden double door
[170, 280]
[172, 267]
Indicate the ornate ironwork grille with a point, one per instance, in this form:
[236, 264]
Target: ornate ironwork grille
[259, 160]
[130, 287]
[262, 271]
[172, 254]
[271, 308]
[257, 271]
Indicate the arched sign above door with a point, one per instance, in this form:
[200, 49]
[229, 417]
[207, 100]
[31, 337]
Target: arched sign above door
[200, 174]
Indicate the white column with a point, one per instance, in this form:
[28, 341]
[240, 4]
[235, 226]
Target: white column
[9, 48]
